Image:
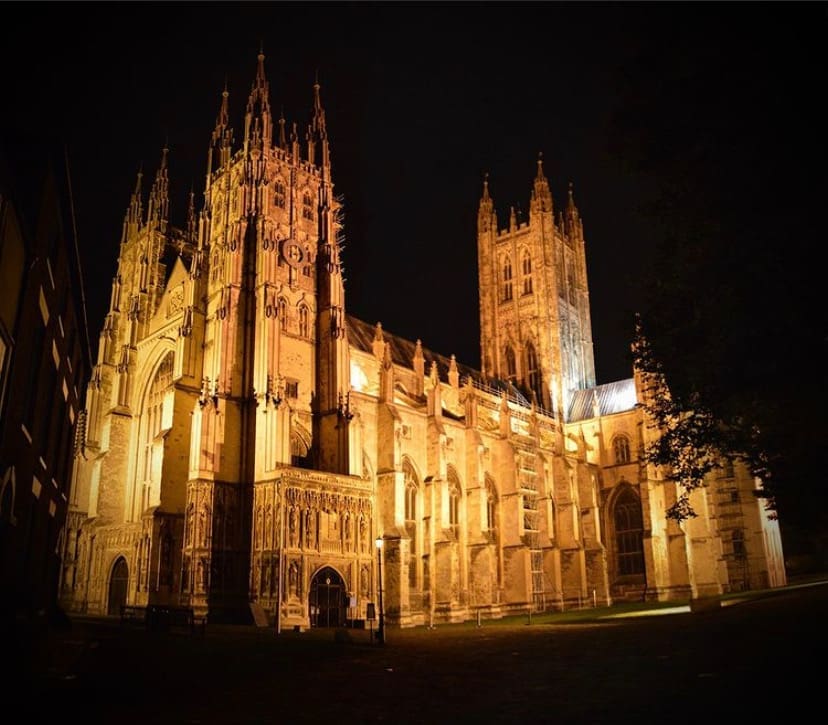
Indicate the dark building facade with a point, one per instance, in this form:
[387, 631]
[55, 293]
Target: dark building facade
[44, 366]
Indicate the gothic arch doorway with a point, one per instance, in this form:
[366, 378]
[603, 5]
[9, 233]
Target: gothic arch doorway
[118, 581]
[328, 599]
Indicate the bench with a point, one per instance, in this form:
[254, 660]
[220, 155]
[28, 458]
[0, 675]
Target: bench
[163, 618]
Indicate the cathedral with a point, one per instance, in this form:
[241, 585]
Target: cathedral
[248, 445]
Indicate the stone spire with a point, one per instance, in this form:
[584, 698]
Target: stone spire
[282, 138]
[134, 212]
[541, 195]
[158, 208]
[222, 137]
[572, 219]
[486, 217]
[258, 124]
[317, 134]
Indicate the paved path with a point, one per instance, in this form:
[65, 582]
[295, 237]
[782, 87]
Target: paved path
[757, 661]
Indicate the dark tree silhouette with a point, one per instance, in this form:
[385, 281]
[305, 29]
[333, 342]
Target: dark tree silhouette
[733, 320]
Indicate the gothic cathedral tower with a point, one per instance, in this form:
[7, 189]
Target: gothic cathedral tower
[223, 360]
[276, 364]
[535, 328]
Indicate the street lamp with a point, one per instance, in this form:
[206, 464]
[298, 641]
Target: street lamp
[381, 625]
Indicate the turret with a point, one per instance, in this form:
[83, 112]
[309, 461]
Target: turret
[318, 135]
[486, 216]
[258, 123]
[134, 212]
[221, 140]
[541, 200]
[158, 208]
[282, 139]
[572, 219]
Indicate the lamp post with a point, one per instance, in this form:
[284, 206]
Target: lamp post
[381, 624]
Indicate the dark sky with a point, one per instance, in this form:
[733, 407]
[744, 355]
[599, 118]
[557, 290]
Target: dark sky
[422, 99]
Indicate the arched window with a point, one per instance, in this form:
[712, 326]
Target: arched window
[511, 366]
[454, 511]
[526, 265]
[507, 279]
[454, 504]
[150, 427]
[283, 314]
[304, 325]
[727, 469]
[491, 507]
[412, 491]
[621, 447]
[629, 533]
[279, 194]
[300, 452]
[411, 502]
[307, 206]
[534, 371]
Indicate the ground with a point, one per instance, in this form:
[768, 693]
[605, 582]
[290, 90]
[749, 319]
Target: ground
[753, 659]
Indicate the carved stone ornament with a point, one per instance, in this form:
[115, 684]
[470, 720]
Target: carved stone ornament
[292, 252]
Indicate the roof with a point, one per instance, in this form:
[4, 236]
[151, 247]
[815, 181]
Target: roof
[361, 336]
[617, 397]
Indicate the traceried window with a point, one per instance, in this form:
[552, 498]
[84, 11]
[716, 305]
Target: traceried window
[629, 534]
[307, 206]
[150, 427]
[621, 447]
[511, 366]
[279, 194]
[304, 325]
[534, 371]
[526, 267]
[507, 280]
[283, 314]
[412, 491]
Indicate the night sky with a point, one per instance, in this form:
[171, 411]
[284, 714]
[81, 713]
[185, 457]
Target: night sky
[422, 100]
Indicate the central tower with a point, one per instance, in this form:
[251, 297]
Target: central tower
[535, 328]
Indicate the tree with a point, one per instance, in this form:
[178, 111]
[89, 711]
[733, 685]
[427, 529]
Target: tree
[728, 132]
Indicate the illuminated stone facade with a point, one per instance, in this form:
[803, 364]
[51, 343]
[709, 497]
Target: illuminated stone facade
[248, 439]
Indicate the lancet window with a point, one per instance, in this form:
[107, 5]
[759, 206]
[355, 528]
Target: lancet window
[507, 280]
[629, 534]
[526, 265]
